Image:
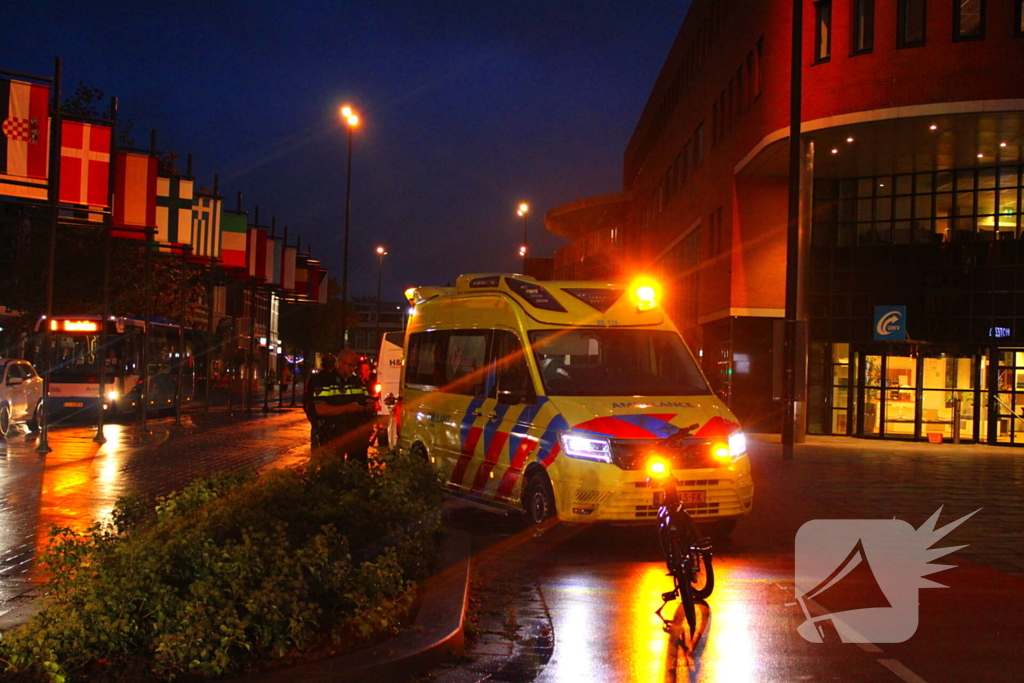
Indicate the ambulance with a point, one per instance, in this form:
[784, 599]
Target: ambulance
[550, 397]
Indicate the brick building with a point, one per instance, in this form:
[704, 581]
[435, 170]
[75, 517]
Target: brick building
[912, 115]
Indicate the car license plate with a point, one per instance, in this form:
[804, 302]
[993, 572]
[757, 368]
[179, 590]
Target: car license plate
[73, 404]
[692, 497]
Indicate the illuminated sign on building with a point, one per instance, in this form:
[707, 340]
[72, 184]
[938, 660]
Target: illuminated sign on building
[890, 323]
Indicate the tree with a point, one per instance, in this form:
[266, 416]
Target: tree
[88, 101]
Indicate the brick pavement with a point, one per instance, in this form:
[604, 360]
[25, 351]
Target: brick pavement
[864, 479]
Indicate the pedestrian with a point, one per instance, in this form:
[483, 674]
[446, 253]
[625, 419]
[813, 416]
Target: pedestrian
[336, 405]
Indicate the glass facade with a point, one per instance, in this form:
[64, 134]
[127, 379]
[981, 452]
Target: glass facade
[949, 246]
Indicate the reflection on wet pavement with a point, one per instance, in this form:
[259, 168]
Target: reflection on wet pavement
[79, 482]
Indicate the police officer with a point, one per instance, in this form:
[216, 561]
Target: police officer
[338, 407]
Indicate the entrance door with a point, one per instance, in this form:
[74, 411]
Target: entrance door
[900, 395]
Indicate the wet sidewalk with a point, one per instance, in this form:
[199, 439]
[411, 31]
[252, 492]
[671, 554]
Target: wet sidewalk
[79, 482]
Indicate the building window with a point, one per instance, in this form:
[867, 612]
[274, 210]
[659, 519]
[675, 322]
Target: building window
[1018, 22]
[822, 31]
[969, 22]
[911, 21]
[863, 38]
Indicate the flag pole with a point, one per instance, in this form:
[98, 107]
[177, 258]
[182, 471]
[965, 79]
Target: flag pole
[183, 292]
[100, 438]
[147, 309]
[55, 150]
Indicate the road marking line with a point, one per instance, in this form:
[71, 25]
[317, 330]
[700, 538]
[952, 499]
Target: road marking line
[900, 670]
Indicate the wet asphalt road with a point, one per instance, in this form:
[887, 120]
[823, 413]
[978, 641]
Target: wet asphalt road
[600, 587]
[577, 603]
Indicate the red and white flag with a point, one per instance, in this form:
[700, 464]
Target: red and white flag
[84, 164]
[24, 139]
[134, 194]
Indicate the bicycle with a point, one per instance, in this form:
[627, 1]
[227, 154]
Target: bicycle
[687, 553]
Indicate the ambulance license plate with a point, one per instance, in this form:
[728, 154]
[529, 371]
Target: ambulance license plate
[692, 497]
[73, 404]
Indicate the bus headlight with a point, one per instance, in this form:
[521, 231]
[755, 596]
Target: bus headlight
[586, 447]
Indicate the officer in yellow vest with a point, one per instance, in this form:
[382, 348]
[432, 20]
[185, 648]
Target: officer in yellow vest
[338, 407]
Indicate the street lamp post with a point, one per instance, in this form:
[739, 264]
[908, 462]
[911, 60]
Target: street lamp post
[351, 120]
[524, 210]
[381, 253]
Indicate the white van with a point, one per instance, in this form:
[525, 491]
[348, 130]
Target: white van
[550, 397]
[389, 375]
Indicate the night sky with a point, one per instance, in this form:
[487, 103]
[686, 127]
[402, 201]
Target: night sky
[468, 108]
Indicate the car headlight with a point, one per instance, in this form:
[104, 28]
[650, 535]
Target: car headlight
[586, 447]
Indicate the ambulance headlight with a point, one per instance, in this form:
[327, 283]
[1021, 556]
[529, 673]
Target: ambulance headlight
[586, 447]
[112, 395]
[737, 444]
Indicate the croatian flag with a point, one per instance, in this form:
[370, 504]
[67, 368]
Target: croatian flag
[24, 139]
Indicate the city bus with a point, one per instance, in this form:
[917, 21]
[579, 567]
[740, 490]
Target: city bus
[76, 355]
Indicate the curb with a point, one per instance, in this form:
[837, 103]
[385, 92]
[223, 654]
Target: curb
[438, 630]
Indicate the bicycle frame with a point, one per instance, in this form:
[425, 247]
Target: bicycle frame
[682, 545]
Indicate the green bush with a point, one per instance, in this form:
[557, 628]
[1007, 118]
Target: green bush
[234, 571]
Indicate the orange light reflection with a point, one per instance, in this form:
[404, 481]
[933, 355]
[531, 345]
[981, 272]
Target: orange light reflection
[582, 652]
[730, 651]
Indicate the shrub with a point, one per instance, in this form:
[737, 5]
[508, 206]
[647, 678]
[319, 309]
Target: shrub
[234, 571]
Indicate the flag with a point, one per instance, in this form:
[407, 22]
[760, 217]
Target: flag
[301, 275]
[85, 164]
[233, 239]
[251, 238]
[321, 290]
[173, 210]
[279, 252]
[268, 260]
[288, 269]
[206, 218]
[258, 253]
[25, 142]
[134, 194]
[313, 284]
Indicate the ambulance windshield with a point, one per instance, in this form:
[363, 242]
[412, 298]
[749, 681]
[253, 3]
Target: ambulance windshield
[615, 362]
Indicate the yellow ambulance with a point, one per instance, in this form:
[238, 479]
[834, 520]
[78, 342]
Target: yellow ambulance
[550, 397]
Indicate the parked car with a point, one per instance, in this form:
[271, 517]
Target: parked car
[21, 395]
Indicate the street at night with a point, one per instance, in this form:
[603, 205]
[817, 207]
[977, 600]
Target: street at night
[597, 589]
[501, 342]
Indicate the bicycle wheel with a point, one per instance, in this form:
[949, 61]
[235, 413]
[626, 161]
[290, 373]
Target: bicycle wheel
[675, 543]
[701, 570]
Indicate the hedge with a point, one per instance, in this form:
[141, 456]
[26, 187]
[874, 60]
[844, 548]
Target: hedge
[233, 572]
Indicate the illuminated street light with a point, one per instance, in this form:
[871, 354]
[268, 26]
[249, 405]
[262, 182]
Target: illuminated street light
[381, 253]
[524, 211]
[351, 119]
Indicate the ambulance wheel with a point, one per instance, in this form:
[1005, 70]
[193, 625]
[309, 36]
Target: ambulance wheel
[419, 452]
[539, 501]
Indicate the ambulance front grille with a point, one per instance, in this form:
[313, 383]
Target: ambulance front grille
[633, 454]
